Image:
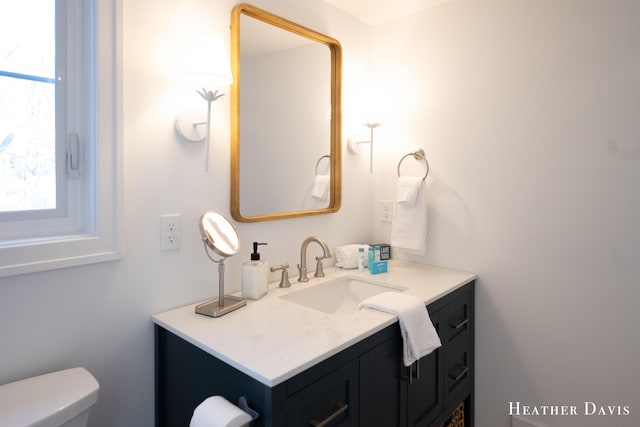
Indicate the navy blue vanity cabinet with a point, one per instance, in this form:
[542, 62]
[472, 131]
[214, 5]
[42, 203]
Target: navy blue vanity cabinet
[428, 392]
[364, 385]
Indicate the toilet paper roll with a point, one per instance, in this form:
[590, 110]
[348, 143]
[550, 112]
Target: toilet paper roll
[216, 411]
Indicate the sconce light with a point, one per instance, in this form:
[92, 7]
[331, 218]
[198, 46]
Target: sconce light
[354, 146]
[207, 67]
[371, 109]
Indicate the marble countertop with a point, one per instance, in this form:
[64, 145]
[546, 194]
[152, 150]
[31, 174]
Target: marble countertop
[272, 339]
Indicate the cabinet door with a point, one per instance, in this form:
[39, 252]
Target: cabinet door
[424, 388]
[380, 384]
[331, 401]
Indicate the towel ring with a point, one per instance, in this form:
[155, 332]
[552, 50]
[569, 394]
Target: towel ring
[418, 155]
[318, 162]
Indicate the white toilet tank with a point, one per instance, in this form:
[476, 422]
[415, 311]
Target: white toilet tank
[58, 399]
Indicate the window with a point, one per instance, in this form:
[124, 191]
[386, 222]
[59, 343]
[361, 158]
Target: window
[60, 179]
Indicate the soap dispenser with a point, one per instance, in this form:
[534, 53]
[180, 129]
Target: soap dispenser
[255, 275]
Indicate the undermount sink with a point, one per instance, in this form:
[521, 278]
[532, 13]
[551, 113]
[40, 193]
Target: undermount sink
[339, 296]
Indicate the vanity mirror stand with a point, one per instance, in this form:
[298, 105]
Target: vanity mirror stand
[220, 236]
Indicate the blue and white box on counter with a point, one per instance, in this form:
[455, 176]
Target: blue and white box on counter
[383, 251]
[377, 267]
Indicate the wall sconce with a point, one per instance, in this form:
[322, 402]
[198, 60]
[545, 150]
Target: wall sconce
[354, 146]
[370, 104]
[207, 67]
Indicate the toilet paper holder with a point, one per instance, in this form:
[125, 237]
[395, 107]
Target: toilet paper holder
[242, 404]
[217, 410]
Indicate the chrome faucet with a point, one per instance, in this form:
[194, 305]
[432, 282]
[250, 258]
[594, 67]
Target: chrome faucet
[302, 267]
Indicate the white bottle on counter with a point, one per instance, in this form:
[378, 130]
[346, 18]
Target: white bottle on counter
[361, 259]
[255, 276]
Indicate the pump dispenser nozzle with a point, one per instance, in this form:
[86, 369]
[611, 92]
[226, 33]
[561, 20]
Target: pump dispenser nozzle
[255, 255]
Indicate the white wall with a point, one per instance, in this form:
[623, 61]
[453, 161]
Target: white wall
[529, 114]
[100, 316]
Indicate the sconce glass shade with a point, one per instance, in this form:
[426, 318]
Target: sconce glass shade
[371, 108]
[207, 67]
[207, 63]
[370, 113]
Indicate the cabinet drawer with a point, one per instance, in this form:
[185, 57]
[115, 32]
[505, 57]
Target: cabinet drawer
[457, 371]
[459, 317]
[329, 402]
[458, 357]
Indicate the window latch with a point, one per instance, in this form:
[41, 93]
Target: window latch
[73, 155]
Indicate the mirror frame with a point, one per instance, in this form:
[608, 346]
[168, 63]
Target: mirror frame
[335, 195]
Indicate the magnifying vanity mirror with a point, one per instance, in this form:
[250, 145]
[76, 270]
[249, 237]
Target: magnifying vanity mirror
[285, 118]
[221, 237]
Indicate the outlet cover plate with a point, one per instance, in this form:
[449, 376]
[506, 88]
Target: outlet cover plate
[170, 231]
[386, 211]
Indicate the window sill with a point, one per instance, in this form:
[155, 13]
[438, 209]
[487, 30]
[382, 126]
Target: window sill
[37, 256]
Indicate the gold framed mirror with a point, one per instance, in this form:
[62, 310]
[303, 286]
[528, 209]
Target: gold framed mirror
[286, 157]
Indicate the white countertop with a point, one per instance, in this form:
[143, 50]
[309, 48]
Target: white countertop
[272, 339]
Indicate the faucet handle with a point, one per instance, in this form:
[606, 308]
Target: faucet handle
[319, 269]
[284, 279]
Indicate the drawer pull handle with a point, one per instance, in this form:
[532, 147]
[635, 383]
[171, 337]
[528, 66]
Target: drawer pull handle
[460, 375]
[341, 407]
[460, 325]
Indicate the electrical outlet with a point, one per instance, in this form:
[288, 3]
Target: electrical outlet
[170, 232]
[386, 208]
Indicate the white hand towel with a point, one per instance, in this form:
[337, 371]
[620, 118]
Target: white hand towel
[407, 189]
[409, 223]
[321, 187]
[216, 411]
[419, 336]
[347, 255]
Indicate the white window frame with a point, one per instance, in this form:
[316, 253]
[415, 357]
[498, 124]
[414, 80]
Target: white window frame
[101, 236]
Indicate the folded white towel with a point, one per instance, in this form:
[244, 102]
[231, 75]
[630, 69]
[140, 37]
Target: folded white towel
[347, 255]
[409, 223]
[321, 187]
[419, 336]
[407, 190]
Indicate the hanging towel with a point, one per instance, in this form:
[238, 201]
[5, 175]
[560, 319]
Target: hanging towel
[407, 190]
[409, 223]
[321, 187]
[418, 334]
[347, 255]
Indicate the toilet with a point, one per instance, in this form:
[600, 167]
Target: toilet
[57, 399]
